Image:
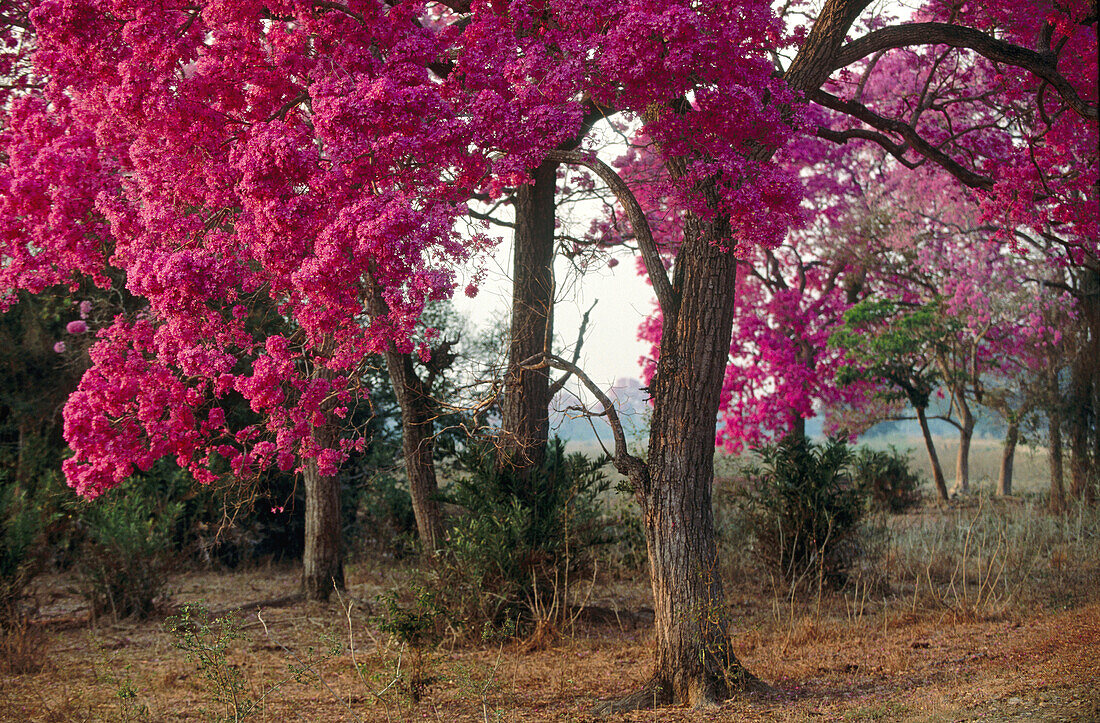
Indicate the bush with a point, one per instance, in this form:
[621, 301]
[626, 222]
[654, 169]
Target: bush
[379, 515]
[518, 544]
[885, 477]
[803, 510]
[124, 562]
[20, 551]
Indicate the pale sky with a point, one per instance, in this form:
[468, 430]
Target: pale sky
[611, 348]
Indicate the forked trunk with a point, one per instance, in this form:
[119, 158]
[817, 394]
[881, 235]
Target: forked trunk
[933, 458]
[694, 662]
[1008, 455]
[322, 559]
[525, 404]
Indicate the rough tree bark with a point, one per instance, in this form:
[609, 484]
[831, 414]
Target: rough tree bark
[1057, 481]
[1008, 456]
[694, 663]
[1084, 421]
[418, 413]
[322, 559]
[1080, 413]
[966, 435]
[525, 403]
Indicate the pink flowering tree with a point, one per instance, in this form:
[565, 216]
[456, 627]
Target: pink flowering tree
[314, 156]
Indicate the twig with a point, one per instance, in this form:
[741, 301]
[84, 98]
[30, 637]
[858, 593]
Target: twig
[305, 666]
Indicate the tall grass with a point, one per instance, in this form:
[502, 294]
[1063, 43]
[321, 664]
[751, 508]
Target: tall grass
[981, 560]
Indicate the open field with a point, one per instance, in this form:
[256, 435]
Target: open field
[1031, 469]
[984, 612]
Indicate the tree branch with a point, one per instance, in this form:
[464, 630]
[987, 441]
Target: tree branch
[957, 36]
[915, 141]
[557, 385]
[666, 296]
[635, 469]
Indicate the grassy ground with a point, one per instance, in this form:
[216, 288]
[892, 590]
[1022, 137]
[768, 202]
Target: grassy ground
[986, 611]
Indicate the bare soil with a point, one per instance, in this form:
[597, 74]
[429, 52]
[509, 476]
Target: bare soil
[1035, 664]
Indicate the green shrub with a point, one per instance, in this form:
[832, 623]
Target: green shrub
[885, 477]
[803, 510]
[20, 551]
[124, 562]
[379, 516]
[518, 543]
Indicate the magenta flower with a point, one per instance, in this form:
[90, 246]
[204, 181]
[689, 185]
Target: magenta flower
[76, 327]
[59, 347]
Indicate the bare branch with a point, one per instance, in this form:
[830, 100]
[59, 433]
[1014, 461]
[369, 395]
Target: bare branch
[666, 296]
[915, 140]
[557, 386]
[957, 36]
[635, 469]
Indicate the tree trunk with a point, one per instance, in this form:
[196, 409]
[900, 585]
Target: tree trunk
[526, 400]
[1008, 455]
[417, 415]
[933, 458]
[322, 560]
[694, 663]
[1057, 483]
[1090, 304]
[1081, 414]
[798, 426]
[962, 460]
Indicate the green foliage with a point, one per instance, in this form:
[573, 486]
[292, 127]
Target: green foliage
[207, 643]
[124, 564]
[520, 541]
[885, 478]
[378, 513]
[893, 343]
[20, 551]
[415, 623]
[803, 509]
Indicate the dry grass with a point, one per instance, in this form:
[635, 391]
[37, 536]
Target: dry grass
[882, 650]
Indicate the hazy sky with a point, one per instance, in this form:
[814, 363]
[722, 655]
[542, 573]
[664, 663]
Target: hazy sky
[611, 349]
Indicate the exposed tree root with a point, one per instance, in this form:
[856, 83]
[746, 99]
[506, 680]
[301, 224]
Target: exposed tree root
[658, 692]
[651, 695]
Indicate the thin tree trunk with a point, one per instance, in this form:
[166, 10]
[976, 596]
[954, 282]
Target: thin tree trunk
[798, 426]
[1057, 482]
[417, 443]
[962, 460]
[525, 405]
[1081, 414]
[933, 458]
[1008, 456]
[322, 560]
[1090, 297]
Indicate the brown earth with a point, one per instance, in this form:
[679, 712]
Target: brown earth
[1032, 665]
